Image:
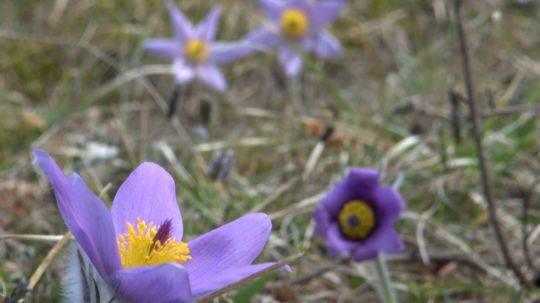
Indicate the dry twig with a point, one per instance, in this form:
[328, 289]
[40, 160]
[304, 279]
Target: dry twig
[477, 136]
[36, 276]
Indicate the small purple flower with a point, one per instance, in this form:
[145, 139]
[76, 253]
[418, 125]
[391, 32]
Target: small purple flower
[193, 49]
[356, 217]
[137, 246]
[295, 26]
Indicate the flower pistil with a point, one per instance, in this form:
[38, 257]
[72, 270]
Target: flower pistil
[145, 244]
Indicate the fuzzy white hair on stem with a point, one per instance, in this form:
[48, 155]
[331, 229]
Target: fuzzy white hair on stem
[81, 281]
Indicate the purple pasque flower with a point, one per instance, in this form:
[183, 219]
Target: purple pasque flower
[296, 26]
[194, 51]
[137, 246]
[356, 217]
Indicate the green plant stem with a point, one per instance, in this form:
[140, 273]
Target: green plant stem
[295, 91]
[387, 291]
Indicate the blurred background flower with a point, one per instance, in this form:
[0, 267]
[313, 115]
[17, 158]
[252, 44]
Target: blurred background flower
[298, 26]
[194, 51]
[356, 217]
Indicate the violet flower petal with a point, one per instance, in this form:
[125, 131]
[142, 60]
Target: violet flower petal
[165, 283]
[338, 245]
[290, 61]
[214, 283]
[211, 76]
[390, 204]
[303, 5]
[206, 30]
[223, 53]
[264, 39]
[322, 220]
[324, 12]
[327, 46]
[85, 215]
[347, 189]
[183, 73]
[183, 29]
[165, 48]
[233, 245]
[384, 240]
[148, 194]
[272, 8]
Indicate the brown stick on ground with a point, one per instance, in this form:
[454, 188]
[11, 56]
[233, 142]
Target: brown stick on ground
[477, 136]
[526, 197]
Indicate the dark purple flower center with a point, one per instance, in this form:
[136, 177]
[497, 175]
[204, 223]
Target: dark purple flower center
[353, 221]
[163, 234]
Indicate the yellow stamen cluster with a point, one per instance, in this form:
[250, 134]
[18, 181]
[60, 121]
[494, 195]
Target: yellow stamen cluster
[356, 219]
[196, 51]
[139, 247]
[294, 23]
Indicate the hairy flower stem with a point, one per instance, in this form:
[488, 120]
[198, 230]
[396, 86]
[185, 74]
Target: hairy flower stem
[295, 90]
[477, 136]
[388, 294]
[173, 100]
